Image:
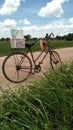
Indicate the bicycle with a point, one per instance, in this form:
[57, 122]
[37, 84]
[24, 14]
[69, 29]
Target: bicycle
[17, 66]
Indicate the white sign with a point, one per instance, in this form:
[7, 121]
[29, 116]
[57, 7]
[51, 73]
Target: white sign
[18, 40]
[18, 34]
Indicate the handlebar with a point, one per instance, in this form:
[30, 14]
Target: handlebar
[30, 44]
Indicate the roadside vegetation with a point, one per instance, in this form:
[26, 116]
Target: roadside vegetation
[45, 104]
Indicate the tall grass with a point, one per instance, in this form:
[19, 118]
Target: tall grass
[45, 104]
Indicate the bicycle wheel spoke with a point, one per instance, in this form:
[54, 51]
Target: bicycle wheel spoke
[16, 59]
[17, 67]
[17, 74]
[55, 59]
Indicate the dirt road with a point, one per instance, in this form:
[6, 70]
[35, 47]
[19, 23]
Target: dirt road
[66, 54]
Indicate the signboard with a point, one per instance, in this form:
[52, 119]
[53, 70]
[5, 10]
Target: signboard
[17, 40]
[18, 34]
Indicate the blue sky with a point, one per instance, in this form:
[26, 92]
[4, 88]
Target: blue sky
[36, 17]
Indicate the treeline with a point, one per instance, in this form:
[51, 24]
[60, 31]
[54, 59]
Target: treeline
[3, 39]
[68, 37]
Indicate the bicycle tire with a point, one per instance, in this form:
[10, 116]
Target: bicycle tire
[17, 67]
[55, 60]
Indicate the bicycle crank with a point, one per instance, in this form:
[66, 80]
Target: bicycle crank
[37, 68]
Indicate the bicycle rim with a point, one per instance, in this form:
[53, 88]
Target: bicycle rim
[17, 67]
[55, 60]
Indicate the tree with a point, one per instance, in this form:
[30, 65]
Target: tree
[7, 39]
[27, 37]
[2, 39]
[51, 36]
[69, 37]
[58, 37]
[47, 36]
[64, 37]
[34, 39]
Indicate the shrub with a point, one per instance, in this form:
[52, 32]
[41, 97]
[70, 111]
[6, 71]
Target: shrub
[46, 104]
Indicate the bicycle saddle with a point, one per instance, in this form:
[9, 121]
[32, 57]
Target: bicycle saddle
[28, 45]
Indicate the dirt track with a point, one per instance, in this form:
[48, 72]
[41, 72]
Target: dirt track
[66, 54]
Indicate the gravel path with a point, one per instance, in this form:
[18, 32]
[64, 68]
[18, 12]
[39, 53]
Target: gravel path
[66, 54]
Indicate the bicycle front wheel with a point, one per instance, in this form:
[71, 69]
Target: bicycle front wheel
[17, 67]
[55, 60]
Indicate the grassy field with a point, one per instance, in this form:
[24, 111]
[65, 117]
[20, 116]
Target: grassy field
[45, 104]
[5, 46]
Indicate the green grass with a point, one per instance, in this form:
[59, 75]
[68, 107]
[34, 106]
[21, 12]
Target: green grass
[5, 46]
[61, 44]
[55, 45]
[46, 104]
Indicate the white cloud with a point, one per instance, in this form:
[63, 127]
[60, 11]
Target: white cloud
[5, 27]
[9, 7]
[8, 23]
[71, 20]
[57, 27]
[25, 21]
[31, 28]
[53, 8]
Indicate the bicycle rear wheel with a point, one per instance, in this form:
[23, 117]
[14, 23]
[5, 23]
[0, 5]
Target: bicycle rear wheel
[55, 60]
[17, 67]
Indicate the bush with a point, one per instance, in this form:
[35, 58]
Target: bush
[46, 104]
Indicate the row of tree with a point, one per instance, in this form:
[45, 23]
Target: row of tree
[68, 37]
